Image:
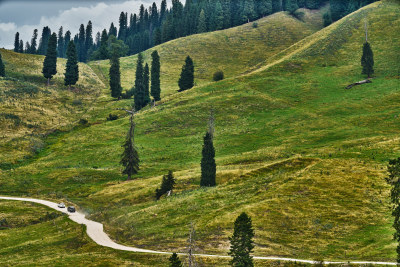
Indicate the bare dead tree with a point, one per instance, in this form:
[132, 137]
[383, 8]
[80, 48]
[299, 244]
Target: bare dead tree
[192, 247]
[366, 29]
[211, 124]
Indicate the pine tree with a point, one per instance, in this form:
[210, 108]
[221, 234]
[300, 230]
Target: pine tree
[88, 40]
[167, 185]
[72, 69]
[34, 42]
[60, 46]
[242, 242]
[146, 84]
[112, 30]
[123, 26]
[394, 181]
[27, 48]
[157, 36]
[50, 61]
[186, 81]
[21, 46]
[139, 94]
[248, 13]
[155, 76]
[130, 157]
[2, 68]
[291, 6]
[81, 44]
[367, 60]
[174, 261]
[202, 25]
[16, 42]
[67, 39]
[103, 50]
[44, 41]
[219, 16]
[264, 7]
[115, 73]
[208, 166]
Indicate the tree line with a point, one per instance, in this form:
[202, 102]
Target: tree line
[156, 25]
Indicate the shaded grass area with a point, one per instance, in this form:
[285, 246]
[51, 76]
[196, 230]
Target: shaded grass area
[302, 155]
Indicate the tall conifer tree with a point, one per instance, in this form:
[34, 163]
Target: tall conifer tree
[21, 46]
[242, 242]
[208, 166]
[202, 24]
[139, 95]
[146, 83]
[155, 76]
[16, 42]
[2, 68]
[44, 41]
[50, 61]
[186, 81]
[60, 46]
[115, 73]
[33, 49]
[394, 181]
[67, 39]
[81, 44]
[72, 69]
[130, 157]
[174, 261]
[367, 60]
[88, 40]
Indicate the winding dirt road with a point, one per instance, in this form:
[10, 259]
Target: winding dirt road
[96, 233]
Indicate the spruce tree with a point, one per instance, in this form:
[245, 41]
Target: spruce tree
[88, 40]
[72, 69]
[146, 84]
[155, 76]
[44, 41]
[60, 46]
[291, 6]
[115, 73]
[21, 46]
[130, 157]
[264, 7]
[81, 44]
[33, 49]
[367, 60]
[67, 39]
[394, 181]
[2, 68]
[208, 166]
[50, 61]
[186, 81]
[103, 50]
[174, 261]
[139, 95]
[167, 185]
[202, 25]
[248, 13]
[16, 42]
[242, 242]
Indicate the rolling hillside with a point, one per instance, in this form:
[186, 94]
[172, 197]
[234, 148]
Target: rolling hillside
[302, 155]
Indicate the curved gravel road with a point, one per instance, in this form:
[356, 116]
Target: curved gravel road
[96, 233]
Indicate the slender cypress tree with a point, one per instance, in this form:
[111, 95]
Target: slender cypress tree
[50, 61]
[139, 94]
[2, 68]
[146, 83]
[60, 46]
[130, 157]
[174, 261]
[155, 76]
[208, 166]
[115, 73]
[72, 69]
[186, 81]
[16, 42]
[103, 50]
[242, 242]
[367, 60]
[394, 181]
[33, 49]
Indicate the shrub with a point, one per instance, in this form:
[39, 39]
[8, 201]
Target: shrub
[327, 19]
[77, 102]
[83, 121]
[218, 76]
[112, 117]
[255, 25]
[128, 94]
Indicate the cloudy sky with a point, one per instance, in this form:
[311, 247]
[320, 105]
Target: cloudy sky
[24, 16]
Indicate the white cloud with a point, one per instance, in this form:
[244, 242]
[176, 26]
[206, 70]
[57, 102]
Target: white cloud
[101, 15]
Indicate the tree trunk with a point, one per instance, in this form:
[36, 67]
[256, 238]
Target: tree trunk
[358, 83]
[48, 81]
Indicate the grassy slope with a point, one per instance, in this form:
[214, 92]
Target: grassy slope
[234, 51]
[290, 142]
[29, 109]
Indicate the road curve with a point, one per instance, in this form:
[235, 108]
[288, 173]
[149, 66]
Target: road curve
[96, 232]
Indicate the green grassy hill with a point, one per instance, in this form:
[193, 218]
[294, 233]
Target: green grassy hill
[30, 110]
[303, 156]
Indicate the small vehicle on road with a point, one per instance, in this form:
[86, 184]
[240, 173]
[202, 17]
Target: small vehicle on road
[71, 209]
[61, 205]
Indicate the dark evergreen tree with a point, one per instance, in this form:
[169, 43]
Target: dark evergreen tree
[88, 40]
[72, 69]
[2, 68]
[155, 76]
[115, 73]
[146, 83]
[174, 261]
[313, 4]
[394, 181]
[208, 166]
[123, 26]
[167, 185]
[186, 81]
[33, 49]
[50, 61]
[367, 60]
[202, 25]
[242, 242]
[44, 41]
[60, 46]
[67, 39]
[264, 7]
[248, 14]
[338, 9]
[139, 94]
[130, 157]
[27, 48]
[291, 6]
[81, 44]
[21, 46]
[163, 11]
[103, 51]
[157, 37]
[16, 42]
[112, 30]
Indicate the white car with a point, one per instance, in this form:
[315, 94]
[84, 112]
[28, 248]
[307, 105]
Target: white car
[61, 205]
